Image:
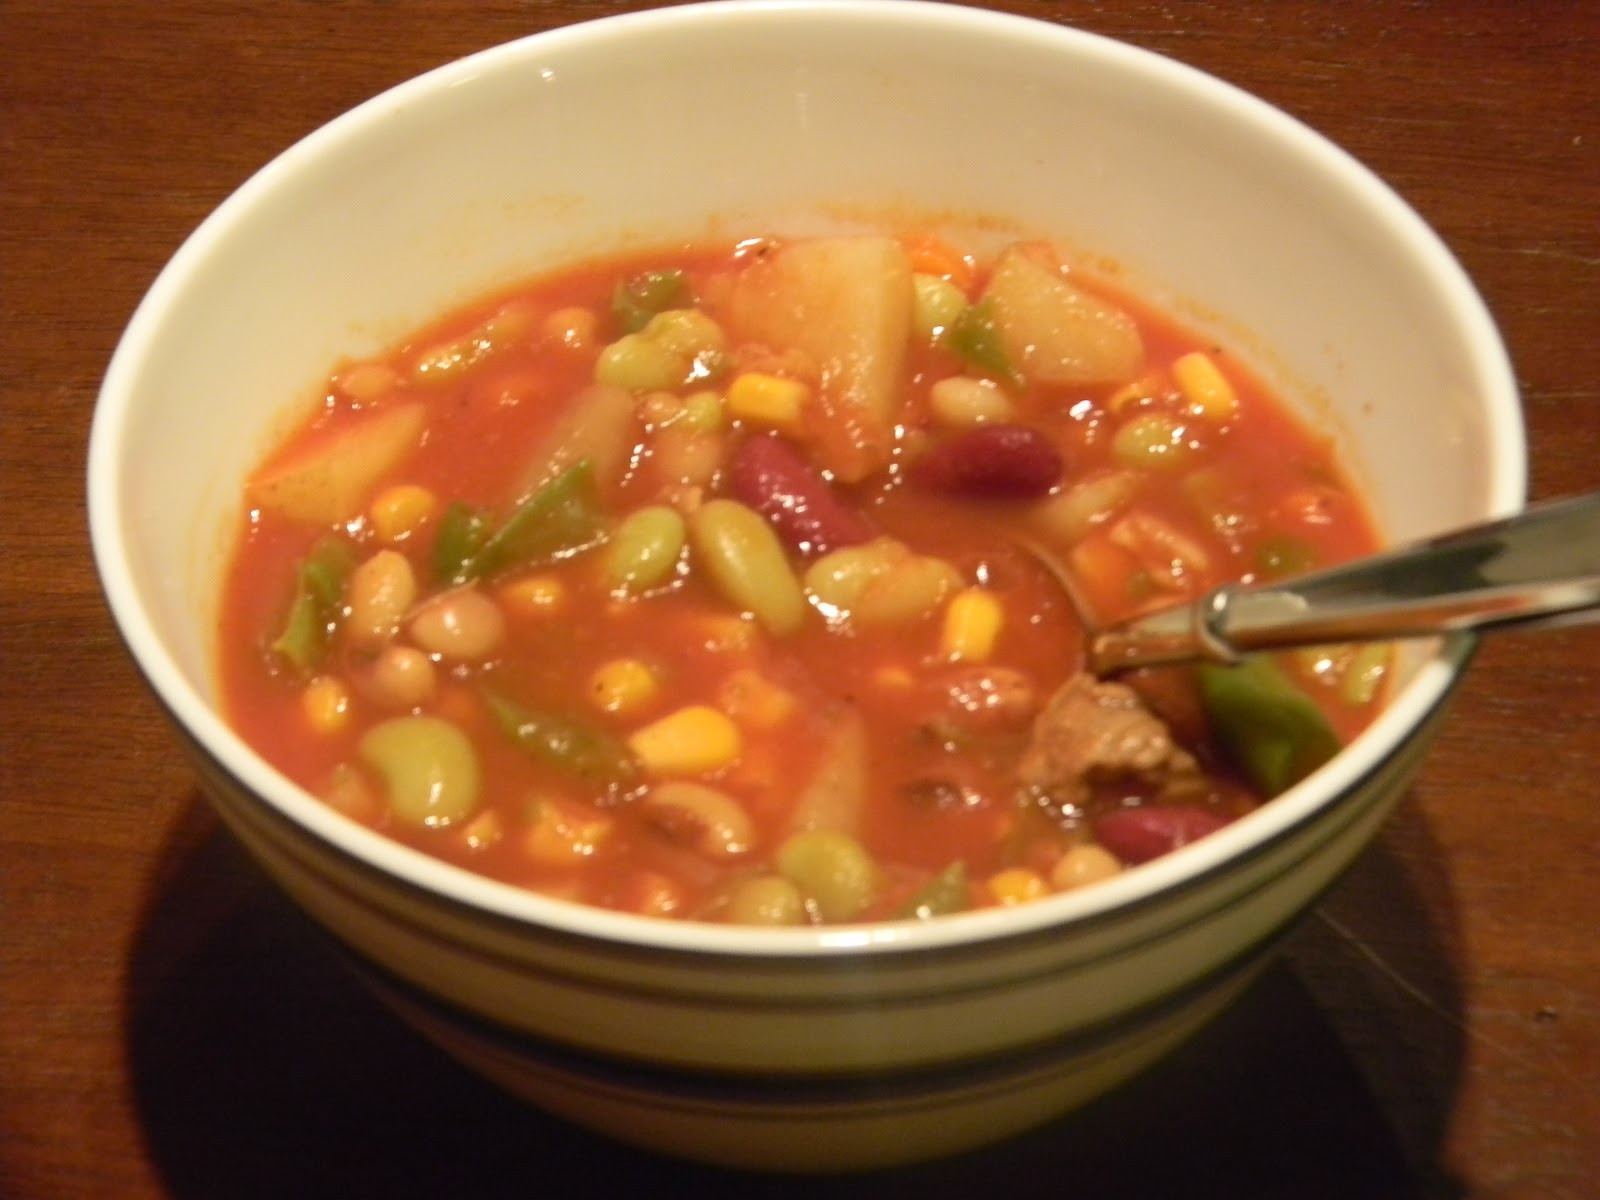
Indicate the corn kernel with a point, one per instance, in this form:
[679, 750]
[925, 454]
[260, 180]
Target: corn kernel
[532, 595]
[972, 623]
[623, 685]
[560, 835]
[398, 512]
[768, 399]
[753, 700]
[1017, 885]
[1204, 386]
[691, 741]
[326, 704]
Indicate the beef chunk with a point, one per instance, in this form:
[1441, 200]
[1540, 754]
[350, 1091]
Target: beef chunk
[1092, 736]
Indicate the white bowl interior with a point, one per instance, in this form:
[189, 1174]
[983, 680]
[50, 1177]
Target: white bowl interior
[754, 117]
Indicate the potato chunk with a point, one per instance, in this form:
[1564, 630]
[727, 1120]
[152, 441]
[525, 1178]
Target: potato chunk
[329, 481]
[1055, 332]
[844, 303]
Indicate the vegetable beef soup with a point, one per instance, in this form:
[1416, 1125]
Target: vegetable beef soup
[702, 584]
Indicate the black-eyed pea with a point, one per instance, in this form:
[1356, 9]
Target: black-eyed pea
[706, 819]
[399, 678]
[377, 596]
[689, 456]
[463, 624]
[1083, 864]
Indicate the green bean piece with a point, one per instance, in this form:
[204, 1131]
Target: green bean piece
[635, 300]
[1272, 731]
[1365, 673]
[946, 892]
[314, 612]
[463, 530]
[429, 768]
[833, 871]
[569, 745]
[561, 518]
[1152, 441]
[645, 549]
[975, 338]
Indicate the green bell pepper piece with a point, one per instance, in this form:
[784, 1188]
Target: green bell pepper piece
[945, 893]
[975, 338]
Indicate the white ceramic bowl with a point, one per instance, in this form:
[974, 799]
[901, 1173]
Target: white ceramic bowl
[849, 1046]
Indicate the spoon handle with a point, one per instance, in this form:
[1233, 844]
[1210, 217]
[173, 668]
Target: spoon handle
[1539, 567]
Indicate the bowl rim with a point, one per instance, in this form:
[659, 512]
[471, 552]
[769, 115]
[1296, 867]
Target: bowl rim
[1505, 489]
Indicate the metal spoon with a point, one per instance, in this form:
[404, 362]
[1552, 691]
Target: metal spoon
[1540, 567]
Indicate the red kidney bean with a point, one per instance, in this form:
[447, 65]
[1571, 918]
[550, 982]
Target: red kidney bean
[1136, 835]
[769, 475]
[1001, 462]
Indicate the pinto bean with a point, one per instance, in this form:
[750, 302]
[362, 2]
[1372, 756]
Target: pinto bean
[1137, 835]
[770, 476]
[994, 461]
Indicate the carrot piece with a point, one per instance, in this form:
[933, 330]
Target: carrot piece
[932, 255]
[1103, 576]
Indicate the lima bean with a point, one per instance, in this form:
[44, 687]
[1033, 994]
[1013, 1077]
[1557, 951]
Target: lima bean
[429, 768]
[645, 548]
[766, 900]
[747, 563]
[832, 870]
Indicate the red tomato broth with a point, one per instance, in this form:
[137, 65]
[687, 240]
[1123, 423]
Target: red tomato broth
[928, 805]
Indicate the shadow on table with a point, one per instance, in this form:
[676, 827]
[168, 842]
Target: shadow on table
[260, 1068]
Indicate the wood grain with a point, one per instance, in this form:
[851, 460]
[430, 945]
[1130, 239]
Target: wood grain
[169, 1027]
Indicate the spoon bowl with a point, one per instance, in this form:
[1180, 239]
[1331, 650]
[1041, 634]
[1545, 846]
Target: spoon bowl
[1539, 568]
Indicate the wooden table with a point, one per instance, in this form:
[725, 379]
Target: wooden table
[169, 1027]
